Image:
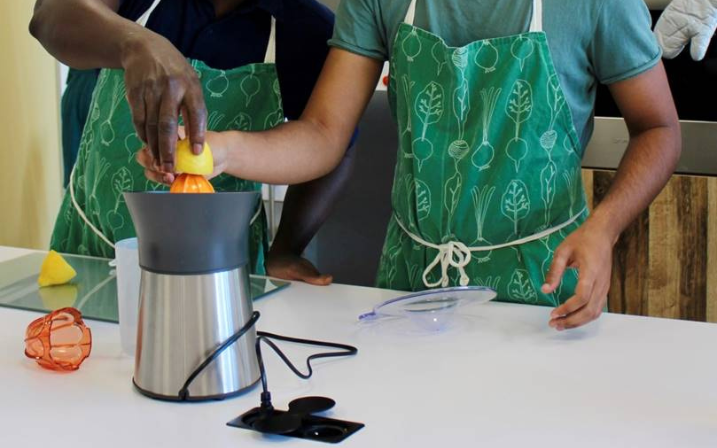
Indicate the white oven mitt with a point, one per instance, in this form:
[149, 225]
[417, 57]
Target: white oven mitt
[684, 21]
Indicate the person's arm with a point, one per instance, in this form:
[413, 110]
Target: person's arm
[301, 150]
[651, 157]
[160, 82]
[306, 208]
[311, 147]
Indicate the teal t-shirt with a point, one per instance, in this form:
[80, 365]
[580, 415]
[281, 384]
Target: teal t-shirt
[592, 41]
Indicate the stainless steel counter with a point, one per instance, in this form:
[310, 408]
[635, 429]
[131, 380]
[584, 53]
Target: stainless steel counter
[610, 139]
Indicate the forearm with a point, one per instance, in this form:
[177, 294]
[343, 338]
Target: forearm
[648, 163]
[84, 33]
[293, 153]
[311, 147]
[308, 205]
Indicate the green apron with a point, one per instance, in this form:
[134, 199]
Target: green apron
[94, 215]
[488, 179]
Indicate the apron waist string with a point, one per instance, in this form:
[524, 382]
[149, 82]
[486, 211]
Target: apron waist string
[457, 255]
[80, 212]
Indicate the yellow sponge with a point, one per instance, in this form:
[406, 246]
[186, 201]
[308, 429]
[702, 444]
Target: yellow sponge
[55, 271]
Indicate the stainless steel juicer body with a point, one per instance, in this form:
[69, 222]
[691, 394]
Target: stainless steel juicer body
[194, 294]
[182, 319]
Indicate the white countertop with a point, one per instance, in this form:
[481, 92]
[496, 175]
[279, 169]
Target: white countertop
[499, 378]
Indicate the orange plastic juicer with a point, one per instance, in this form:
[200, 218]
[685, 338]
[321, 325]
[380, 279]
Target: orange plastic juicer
[59, 341]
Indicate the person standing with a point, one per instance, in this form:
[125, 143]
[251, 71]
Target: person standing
[218, 65]
[494, 101]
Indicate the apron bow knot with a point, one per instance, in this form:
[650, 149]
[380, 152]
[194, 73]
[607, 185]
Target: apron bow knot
[453, 254]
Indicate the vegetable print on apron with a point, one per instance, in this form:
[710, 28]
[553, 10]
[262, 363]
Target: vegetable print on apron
[488, 180]
[93, 215]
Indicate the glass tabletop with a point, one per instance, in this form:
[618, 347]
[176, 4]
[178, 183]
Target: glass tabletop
[93, 292]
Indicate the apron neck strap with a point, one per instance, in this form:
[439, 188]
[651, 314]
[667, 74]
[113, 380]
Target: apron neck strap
[270, 55]
[536, 23]
[142, 21]
[411, 13]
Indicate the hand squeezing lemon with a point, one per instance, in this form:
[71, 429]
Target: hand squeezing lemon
[192, 169]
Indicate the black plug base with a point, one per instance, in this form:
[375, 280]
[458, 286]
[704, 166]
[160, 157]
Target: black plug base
[319, 429]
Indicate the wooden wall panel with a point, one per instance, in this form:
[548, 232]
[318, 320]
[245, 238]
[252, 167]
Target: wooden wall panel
[711, 308]
[661, 266]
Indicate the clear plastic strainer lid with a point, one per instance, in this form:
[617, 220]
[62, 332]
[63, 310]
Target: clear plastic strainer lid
[432, 309]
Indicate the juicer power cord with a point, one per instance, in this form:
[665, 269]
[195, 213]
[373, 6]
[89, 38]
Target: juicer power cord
[267, 338]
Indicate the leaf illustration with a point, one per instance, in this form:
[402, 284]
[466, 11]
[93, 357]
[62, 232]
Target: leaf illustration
[547, 188]
[546, 266]
[569, 178]
[274, 119]
[520, 287]
[461, 106]
[430, 105]
[407, 86]
[556, 99]
[522, 49]
[150, 185]
[241, 122]
[520, 102]
[438, 54]
[516, 203]
[423, 200]
[276, 87]
[122, 181]
[451, 194]
[404, 188]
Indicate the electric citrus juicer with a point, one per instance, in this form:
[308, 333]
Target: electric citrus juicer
[195, 335]
[194, 294]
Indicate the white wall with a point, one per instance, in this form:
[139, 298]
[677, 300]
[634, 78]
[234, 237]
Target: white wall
[30, 156]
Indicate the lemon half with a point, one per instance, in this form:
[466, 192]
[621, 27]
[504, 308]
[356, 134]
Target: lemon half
[188, 162]
[55, 271]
